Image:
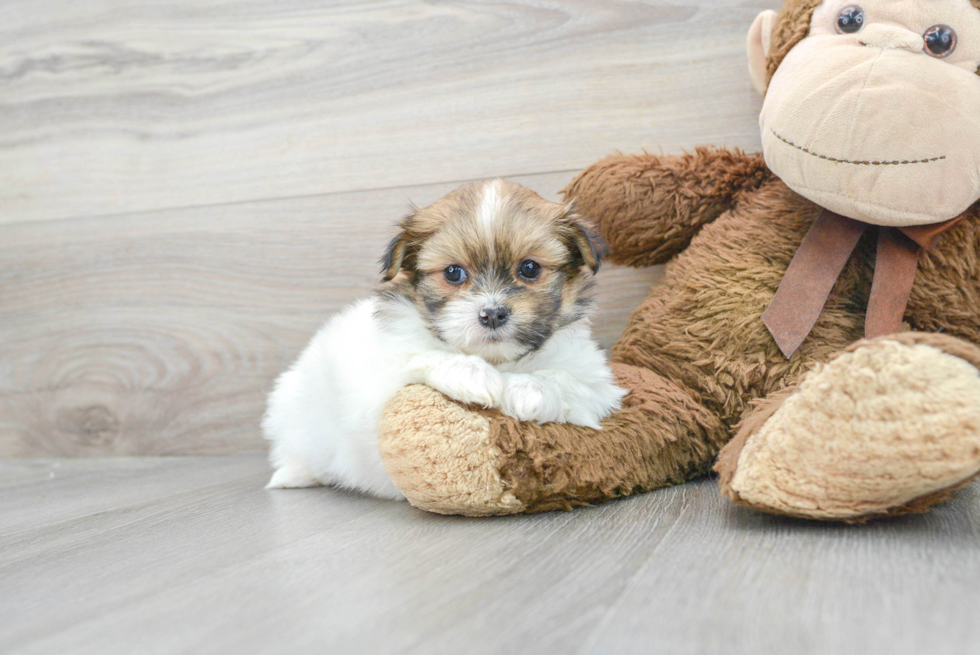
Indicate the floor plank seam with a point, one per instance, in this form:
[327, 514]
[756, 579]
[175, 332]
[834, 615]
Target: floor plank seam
[272, 199]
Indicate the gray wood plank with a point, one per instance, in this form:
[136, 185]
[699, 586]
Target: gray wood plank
[161, 333]
[43, 492]
[230, 567]
[768, 585]
[130, 106]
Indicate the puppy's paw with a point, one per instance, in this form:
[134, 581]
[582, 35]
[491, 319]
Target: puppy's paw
[577, 403]
[292, 475]
[590, 413]
[601, 401]
[527, 398]
[587, 417]
[468, 379]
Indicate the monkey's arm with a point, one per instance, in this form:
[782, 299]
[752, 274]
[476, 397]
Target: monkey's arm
[649, 207]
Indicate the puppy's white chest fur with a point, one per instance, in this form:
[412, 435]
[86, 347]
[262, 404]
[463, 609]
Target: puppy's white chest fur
[324, 412]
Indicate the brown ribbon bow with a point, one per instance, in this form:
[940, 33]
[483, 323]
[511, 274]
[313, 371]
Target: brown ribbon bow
[818, 263]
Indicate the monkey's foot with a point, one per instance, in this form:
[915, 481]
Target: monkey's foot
[889, 427]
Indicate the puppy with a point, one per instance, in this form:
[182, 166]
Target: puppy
[486, 298]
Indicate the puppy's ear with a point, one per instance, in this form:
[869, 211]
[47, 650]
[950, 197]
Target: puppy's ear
[583, 238]
[394, 255]
[400, 251]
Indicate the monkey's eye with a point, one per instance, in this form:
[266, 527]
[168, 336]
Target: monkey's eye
[850, 19]
[940, 40]
[454, 274]
[529, 270]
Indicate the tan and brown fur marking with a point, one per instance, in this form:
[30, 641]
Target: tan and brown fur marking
[489, 233]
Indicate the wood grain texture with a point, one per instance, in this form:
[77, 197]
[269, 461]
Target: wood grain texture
[212, 563]
[161, 333]
[131, 106]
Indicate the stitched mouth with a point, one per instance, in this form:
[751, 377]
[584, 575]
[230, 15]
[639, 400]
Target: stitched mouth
[868, 162]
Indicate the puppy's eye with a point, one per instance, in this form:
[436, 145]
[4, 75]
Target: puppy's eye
[940, 40]
[454, 274]
[529, 270]
[850, 19]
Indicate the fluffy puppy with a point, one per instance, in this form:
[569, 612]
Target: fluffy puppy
[486, 298]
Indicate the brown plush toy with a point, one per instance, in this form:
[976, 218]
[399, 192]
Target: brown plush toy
[820, 308]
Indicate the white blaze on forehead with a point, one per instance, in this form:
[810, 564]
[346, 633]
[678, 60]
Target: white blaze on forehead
[489, 205]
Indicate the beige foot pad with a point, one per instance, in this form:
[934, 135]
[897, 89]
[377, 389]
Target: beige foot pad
[891, 426]
[439, 453]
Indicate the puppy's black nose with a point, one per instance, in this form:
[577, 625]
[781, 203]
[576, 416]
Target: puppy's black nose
[494, 317]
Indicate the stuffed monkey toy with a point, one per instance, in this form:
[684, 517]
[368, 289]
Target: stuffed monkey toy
[814, 337]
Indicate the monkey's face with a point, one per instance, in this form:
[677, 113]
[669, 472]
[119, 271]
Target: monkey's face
[876, 113]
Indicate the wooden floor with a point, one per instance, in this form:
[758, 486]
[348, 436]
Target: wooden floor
[191, 555]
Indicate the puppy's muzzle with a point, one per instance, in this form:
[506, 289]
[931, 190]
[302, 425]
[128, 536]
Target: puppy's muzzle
[494, 317]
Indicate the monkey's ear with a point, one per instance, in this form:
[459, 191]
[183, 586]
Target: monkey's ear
[760, 38]
[583, 238]
[398, 252]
